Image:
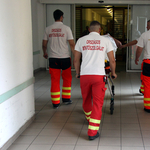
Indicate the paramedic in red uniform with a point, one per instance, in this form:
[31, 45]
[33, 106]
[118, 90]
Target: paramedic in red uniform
[58, 35]
[144, 43]
[93, 47]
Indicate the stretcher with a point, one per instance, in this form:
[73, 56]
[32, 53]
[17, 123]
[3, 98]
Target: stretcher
[111, 87]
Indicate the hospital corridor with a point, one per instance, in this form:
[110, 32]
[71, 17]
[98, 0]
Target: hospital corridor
[28, 120]
[65, 128]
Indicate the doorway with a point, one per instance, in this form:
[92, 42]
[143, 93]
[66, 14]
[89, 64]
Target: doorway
[113, 20]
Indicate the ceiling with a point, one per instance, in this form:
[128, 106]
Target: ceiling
[103, 12]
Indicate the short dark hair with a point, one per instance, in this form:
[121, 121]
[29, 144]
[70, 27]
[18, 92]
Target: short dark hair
[57, 14]
[95, 26]
[94, 23]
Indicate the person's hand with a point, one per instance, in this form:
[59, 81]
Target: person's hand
[121, 47]
[119, 44]
[77, 76]
[114, 76]
[136, 61]
[45, 55]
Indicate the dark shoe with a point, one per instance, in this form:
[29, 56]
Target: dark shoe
[55, 106]
[94, 137]
[67, 101]
[147, 110]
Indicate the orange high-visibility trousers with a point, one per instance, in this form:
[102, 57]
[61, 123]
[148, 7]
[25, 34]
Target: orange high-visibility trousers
[142, 85]
[93, 92]
[146, 82]
[55, 85]
[56, 65]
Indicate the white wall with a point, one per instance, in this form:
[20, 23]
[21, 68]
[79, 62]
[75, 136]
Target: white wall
[16, 67]
[38, 26]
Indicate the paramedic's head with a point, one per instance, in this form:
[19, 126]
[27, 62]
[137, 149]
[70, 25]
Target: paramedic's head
[58, 15]
[95, 27]
[148, 25]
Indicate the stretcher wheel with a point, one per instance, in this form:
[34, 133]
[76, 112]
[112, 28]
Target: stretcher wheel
[111, 106]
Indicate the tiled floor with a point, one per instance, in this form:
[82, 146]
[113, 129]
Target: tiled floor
[66, 128]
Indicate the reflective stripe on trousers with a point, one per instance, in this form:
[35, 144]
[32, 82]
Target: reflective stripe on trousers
[142, 88]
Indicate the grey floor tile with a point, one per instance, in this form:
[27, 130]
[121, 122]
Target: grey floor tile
[18, 147]
[54, 125]
[30, 131]
[133, 148]
[39, 147]
[146, 142]
[37, 125]
[44, 140]
[131, 134]
[129, 120]
[69, 133]
[109, 141]
[66, 140]
[62, 147]
[109, 148]
[74, 125]
[110, 126]
[85, 148]
[62, 113]
[110, 133]
[59, 119]
[84, 141]
[146, 134]
[130, 126]
[50, 132]
[24, 139]
[135, 142]
[145, 126]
